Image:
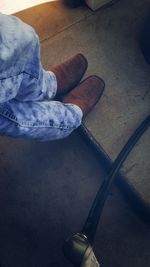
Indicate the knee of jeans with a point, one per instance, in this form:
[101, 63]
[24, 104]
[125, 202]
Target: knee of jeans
[18, 43]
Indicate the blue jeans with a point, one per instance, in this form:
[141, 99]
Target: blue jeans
[27, 108]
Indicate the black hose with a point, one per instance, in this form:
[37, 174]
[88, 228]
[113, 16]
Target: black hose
[90, 226]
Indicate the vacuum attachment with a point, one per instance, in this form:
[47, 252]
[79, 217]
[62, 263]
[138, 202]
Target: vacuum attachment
[79, 252]
[78, 249]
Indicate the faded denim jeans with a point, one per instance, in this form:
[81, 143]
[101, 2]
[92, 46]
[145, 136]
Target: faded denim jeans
[27, 108]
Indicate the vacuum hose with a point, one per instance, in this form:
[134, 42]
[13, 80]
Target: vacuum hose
[78, 248]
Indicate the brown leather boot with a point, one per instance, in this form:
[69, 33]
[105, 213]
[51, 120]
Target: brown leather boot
[69, 73]
[86, 94]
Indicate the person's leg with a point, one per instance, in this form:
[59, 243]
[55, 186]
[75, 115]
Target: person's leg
[23, 82]
[50, 120]
[46, 120]
[49, 84]
[21, 73]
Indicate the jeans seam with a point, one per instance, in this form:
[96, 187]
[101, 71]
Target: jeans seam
[5, 113]
[5, 78]
[23, 72]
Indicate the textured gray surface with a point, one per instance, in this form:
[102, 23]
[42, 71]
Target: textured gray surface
[45, 194]
[110, 40]
[46, 188]
[127, 98]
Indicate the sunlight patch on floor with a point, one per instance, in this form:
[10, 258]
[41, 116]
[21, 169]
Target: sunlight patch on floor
[12, 6]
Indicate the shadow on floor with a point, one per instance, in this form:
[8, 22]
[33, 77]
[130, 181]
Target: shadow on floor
[46, 190]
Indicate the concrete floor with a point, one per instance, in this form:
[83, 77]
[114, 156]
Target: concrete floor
[46, 190]
[109, 38]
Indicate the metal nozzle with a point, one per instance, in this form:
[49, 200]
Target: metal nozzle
[78, 250]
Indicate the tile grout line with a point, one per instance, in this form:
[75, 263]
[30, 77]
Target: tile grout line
[65, 28]
[92, 13]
